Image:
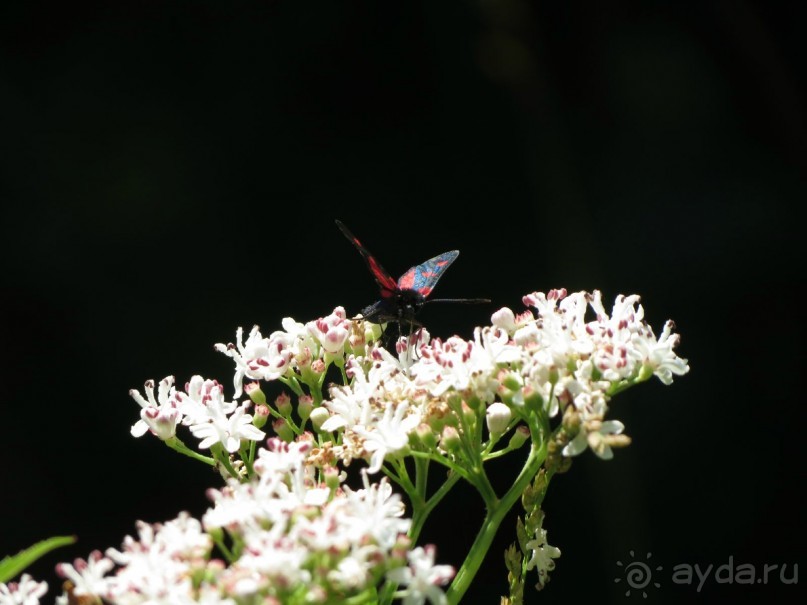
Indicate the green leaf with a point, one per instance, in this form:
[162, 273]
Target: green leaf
[11, 566]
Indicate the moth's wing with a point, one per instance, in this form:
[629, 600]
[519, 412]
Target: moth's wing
[424, 277]
[385, 280]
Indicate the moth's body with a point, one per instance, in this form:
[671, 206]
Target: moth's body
[401, 307]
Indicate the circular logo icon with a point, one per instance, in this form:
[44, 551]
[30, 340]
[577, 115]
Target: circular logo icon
[637, 575]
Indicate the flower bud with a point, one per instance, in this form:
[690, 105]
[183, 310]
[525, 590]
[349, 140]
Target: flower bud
[261, 415]
[426, 436]
[520, 436]
[498, 416]
[254, 392]
[533, 401]
[305, 404]
[468, 414]
[283, 430]
[318, 416]
[450, 439]
[474, 402]
[505, 319]
[283, 404]
[512, 381]
[331, 474]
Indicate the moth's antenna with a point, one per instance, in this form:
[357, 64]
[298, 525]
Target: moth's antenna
[470, 301]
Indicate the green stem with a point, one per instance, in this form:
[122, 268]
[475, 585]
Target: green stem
[247, 458]
[292, 384]
[449, 464]
[419, 517]
[421, 509]
[493, 519]
[421, 476]
[175, 444]
[223, 458]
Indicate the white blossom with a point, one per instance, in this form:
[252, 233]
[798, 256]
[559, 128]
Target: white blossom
[159, 415]
[25, 592]
[390, 435]
[422, 578]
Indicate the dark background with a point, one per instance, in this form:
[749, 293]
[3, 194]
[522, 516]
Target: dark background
[172, 171]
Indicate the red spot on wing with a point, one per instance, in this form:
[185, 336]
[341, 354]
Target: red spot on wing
[407, 280]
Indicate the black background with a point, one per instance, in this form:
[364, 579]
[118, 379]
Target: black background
[172, 171]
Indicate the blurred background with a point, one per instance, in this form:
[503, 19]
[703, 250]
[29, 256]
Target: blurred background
[171, 171]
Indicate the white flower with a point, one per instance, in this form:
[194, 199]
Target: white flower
[375, 511]
[184, 537]
[594, 434]
[215, 426]
[422, 578]
[193, 402]
[659, 355]
[331, 331]
[150, 570]
[25, 592]
[88, 577]
[160, 415]
[280, 457]
[542, 556]
[389, 435]
[275, 560]
[352, 572]
[259, 358]
[349, 406]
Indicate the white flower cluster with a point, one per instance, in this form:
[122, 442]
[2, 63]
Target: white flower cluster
[287, 536]
[555, 356]
[293, 542]
[295, 349]
[201, 407]
[568, 359]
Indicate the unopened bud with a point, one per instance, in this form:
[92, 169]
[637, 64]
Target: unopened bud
[533, 400]
[261, 415]
[474, 403]
[512, 381]
[318, 416]
[331, 474]
[520, 436]
[498, 417]
[305, 404]
[426, 436]
[254, 392]
[283, 430]
[450, 439]
[283, 404]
